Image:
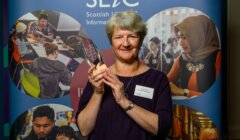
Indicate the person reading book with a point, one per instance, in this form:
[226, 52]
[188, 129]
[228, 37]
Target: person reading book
[50, 72]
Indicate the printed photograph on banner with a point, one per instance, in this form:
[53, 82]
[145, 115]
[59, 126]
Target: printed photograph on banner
[192, 124]
[45, 48]
[47, 121]
[183, 43]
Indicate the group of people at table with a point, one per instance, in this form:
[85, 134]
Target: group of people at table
[36, 42]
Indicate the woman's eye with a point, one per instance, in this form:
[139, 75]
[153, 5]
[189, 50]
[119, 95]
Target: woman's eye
[133, 36]
[117, 37]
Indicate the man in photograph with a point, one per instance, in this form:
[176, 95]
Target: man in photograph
[40, 30]
[43, 124]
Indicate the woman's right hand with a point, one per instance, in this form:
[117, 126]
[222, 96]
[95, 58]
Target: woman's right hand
[95, 77]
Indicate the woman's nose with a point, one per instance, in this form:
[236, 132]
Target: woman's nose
[125, 41]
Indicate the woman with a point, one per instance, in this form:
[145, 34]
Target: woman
[198, 66]
[19, 40]
[173, 50]
[155, 58]
[128, 100]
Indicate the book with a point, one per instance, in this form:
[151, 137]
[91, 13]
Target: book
[63, 58]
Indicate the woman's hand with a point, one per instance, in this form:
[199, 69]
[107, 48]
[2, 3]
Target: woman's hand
[95, 77]
[87, 117]
[116, 85]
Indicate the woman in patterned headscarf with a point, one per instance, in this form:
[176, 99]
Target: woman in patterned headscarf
[198, 66]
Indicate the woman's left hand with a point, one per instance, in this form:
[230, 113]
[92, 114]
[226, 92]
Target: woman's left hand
[116, 85]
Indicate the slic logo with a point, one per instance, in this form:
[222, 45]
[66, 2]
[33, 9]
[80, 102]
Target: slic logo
[115, 3]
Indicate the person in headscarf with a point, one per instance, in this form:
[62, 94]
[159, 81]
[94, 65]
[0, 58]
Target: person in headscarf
[197, 68]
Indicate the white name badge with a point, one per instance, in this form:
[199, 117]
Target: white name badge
[145, 92]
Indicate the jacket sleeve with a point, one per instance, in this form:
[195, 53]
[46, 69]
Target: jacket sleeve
[66, 77]
[33, 67]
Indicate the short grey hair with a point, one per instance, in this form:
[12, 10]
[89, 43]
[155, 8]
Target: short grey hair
[129, 20]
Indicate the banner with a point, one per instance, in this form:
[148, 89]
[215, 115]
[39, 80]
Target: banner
[70, 25]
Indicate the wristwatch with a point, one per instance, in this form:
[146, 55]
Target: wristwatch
[185, 92]
[130, 106]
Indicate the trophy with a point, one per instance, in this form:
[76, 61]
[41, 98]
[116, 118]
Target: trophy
[92, 55]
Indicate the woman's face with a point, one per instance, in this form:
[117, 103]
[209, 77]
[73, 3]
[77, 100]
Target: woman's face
[175, 43]
[126, 44]
[153, 46]
[184, 42]
[24, 31]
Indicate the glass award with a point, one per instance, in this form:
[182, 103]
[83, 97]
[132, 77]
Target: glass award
[92, 55]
